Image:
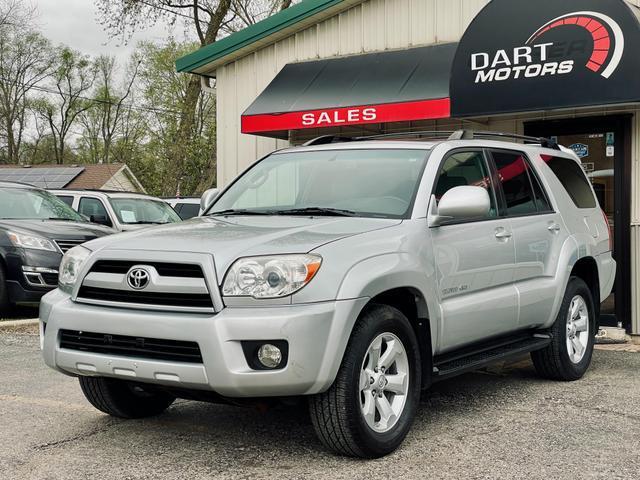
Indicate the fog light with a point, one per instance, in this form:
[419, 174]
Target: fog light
[269, 355]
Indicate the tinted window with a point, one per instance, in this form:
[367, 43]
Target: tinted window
[92, 207]
[572, 176]
[67, 200]
[541, 199]
[187, 210]
[465, 169]
[514, 177]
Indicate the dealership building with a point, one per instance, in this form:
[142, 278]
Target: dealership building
[563, 69]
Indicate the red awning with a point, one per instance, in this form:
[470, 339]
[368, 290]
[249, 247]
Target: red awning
[385, 87]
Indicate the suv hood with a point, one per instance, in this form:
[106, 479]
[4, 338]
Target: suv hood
[57, 229]
[229, 238]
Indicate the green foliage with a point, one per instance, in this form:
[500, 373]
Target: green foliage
[168, 92]
[93, 113]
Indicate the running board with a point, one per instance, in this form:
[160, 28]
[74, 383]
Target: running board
[472, 358]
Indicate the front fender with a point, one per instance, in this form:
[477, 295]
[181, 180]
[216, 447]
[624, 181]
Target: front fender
[375, 275]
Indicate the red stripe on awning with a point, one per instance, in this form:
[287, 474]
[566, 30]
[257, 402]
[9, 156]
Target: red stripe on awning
[347, 116]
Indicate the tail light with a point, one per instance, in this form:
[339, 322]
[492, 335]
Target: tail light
[606, 220]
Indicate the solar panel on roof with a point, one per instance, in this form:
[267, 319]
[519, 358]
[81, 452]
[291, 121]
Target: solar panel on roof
[41, 177]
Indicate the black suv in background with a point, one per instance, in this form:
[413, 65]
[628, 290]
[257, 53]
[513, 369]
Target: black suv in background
[36, 228]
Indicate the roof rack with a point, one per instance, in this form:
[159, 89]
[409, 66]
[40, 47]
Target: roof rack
[326, 140]
[433, 135]
[471, 134]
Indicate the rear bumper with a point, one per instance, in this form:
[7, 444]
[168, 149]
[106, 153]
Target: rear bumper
[317, 335]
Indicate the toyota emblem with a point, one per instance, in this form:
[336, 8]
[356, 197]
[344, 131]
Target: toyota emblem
[138, 278]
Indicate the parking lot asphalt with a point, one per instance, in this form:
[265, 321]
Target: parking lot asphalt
[503, 423]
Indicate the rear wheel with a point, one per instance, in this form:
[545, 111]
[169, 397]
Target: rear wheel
[124, 399]
[568, 356]
[370, 407]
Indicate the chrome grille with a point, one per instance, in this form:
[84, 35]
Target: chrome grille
[172, 287]
[66, 245]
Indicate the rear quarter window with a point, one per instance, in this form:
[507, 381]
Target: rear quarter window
[573, 179]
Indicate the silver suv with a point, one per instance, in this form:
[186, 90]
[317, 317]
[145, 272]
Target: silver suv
[350, 273]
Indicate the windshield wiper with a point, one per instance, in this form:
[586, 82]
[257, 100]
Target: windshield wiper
[317, 211]
[60, 219]
[146, 223]
[240, 211]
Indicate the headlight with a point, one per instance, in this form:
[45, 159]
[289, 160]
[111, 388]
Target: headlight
[70, 268]
[24, 240]
[270, 277]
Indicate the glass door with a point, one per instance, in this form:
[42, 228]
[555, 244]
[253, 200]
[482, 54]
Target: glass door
[603, 145]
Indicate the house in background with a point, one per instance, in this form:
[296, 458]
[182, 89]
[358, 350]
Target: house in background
[114, 176]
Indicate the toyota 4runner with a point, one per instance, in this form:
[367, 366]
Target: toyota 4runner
[350, 273]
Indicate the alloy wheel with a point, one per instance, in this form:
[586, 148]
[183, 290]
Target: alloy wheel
[577, 329]
[384, 382]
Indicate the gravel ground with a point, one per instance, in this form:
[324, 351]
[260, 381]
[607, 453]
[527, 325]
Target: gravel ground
[503, 423]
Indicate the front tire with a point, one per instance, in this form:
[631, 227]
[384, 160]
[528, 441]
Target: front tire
[370, 407]
[124, 399]
[568, 356]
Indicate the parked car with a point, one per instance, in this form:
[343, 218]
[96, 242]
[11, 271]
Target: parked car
[35, 230]
[185, 207]
[120, 210]
[384, 267]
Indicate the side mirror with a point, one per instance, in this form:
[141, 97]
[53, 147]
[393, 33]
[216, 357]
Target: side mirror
[459, 203]
[101, 220]
[207, 198]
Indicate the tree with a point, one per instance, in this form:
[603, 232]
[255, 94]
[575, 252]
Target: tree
[102, 122]
[165, 93]
[24, 63]
[73, 77]
[207, 20]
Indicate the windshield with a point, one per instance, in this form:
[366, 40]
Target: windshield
[134, 211]
[32, 204]
[367, 183]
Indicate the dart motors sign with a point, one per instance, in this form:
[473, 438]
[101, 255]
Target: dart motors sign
[520, 55]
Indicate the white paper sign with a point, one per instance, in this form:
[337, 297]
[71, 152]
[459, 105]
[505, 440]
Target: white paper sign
[611, 151]
[128, 216]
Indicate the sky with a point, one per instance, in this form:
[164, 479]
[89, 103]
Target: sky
[75, 23]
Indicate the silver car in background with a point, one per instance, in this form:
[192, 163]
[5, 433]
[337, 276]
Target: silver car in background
[123, 211]
[352, 274]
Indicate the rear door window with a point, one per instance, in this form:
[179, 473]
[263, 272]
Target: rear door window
[66, 199]
[574, 180]
[521, 191]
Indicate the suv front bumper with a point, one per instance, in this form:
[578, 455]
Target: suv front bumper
[317, 335]
[19, 289]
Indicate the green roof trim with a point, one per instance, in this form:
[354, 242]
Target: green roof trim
[253, 33]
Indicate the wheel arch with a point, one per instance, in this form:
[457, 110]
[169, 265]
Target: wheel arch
[586, 268]
[413, 305]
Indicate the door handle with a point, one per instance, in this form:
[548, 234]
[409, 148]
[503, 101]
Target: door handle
[554, 228]
[502, 234]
